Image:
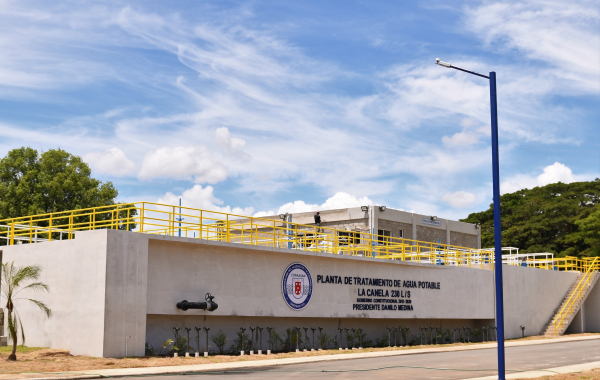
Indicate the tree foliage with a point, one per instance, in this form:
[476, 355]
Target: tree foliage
[560, 218]
[54, 181]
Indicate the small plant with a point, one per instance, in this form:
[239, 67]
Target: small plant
[275, 340]
[290, 339]
[414, 341]
[325, 340]
[180, 344]
[166, 345]
[150, 351]
[362, 337]
[382, 342]
[447, 336]
[476, 334]
[220, 340]
[241, 343]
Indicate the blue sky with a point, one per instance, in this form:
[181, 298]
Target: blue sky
[260, 107]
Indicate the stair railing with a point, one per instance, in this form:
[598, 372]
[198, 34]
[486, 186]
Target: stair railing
[592, 267]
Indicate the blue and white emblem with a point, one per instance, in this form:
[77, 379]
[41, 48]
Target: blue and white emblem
[297, 286]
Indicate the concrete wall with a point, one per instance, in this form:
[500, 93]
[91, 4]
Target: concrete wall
[463, 240]
[75, 271]
[531, 297]
[395, 227]
[591, 308]
[126, 293]
[247, 282]
[97, 292]
[107, 284]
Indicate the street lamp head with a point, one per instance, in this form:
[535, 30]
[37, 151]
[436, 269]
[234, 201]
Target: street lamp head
[442, 63]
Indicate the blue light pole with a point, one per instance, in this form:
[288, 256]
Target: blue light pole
[497, 226]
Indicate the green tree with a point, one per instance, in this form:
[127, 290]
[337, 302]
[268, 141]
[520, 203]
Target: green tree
[54, 181]
[590, 231]
[552, 218]
[13, 279]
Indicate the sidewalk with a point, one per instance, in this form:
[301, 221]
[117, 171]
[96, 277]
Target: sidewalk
[96, 374]
[546, 372]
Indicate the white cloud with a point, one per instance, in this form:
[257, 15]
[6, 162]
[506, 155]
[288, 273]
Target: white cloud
[231, 145]
[287, 109]
[260, 214]
[556, 172]
[461, 138]
[563, 34]
[338, 201]
[460, 199]
[202, 198]
[344, 200]
[188, 162]
[112, 162]
[296, 207]
[518, 182]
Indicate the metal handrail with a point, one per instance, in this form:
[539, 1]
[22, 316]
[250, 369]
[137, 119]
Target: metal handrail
[592, 267]
[156, 218]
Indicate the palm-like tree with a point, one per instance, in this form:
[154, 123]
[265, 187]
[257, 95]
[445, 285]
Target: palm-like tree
[13, 279]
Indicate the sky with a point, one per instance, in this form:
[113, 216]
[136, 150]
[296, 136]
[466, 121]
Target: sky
[263, 107]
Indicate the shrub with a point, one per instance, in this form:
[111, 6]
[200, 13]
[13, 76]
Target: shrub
[242, 342]
[383, 341]
[220, 340]
[325, 340]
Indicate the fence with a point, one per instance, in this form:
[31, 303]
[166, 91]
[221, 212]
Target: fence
[571, 305]
[155, 218]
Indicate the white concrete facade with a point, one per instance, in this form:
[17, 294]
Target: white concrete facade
[108, 284]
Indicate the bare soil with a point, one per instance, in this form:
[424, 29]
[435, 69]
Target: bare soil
[587, 375]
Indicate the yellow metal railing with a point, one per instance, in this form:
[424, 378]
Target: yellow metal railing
[590, 266]
[155, 218]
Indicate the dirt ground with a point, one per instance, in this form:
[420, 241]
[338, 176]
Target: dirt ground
[588, 375]
[38, 360]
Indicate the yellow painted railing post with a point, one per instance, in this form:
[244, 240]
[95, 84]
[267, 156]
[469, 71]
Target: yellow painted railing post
[200, 226]
[12, 232]
[172, 222]
[30, 229]
[71, 227]
[227, 229]
[142, 217]
[50, 229]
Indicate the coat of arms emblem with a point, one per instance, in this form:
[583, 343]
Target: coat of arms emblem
[297, 286]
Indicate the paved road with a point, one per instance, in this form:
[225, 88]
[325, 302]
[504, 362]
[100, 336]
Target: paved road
[480, 362]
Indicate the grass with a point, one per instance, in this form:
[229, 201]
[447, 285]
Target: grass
[20, 349]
